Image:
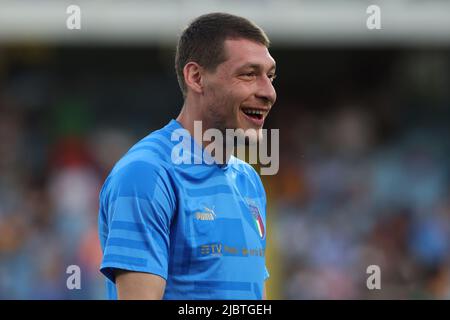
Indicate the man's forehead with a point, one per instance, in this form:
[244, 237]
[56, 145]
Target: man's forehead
[246, 52]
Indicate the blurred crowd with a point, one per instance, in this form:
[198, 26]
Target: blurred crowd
[357, 186]
[48, 205]
[345, 203]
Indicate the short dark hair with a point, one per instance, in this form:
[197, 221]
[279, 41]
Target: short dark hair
[203, 41]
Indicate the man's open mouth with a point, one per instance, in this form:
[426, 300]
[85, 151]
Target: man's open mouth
[254, 113]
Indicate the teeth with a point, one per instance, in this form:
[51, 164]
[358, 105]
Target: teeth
[253, 111]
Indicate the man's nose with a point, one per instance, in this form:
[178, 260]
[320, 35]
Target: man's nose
[266, 90]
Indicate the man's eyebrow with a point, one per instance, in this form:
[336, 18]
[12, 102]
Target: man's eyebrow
[256, 66]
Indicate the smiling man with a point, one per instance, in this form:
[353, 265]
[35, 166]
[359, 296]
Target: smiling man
[197, 230]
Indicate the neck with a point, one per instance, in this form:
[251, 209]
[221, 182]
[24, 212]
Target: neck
[191, 112]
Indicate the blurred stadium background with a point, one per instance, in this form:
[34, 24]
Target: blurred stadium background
[364, 139]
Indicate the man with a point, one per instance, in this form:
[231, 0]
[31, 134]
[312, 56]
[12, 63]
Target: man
[195, 231]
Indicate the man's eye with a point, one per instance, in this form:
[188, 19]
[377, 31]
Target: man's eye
[272, 77]
[249, 74]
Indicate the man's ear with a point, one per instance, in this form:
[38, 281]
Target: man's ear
[193, 73]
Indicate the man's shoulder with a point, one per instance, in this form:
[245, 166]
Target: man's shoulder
[153, 151]
[243, 167]
[146, 160]
[249, 174]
